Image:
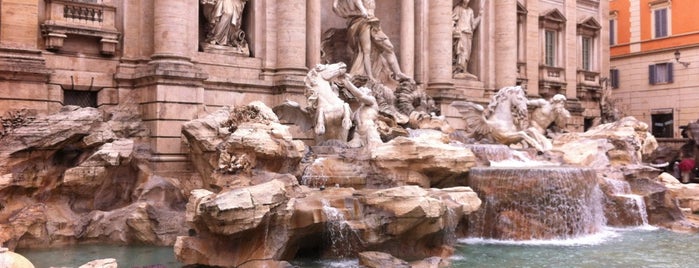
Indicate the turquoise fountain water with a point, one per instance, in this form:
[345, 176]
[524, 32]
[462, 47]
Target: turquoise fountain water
[612, 247]
[126, 256]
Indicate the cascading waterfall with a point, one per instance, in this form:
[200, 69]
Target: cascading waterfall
[314, 175]
[536, 203]
[633, 202]
[489, 152]
[337, 228]
[641, 205]
[450, 229]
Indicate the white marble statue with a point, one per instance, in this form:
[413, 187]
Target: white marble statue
[374, 55]
[465, 23]
[504, 121]
[224, 33]
[549, 117]
[366, 132]
[326, 113]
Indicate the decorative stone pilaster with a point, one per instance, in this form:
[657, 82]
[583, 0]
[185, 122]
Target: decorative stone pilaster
[170, 86]
[439, 83]
[23, 72]
[505, 43]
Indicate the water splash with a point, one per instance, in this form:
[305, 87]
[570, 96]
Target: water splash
[618, 186]
[606, 234]
[521, 159]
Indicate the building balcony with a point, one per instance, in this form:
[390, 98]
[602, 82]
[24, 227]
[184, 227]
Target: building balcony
[521, 73]
[71, 18]
[551, 81]
[588, 85]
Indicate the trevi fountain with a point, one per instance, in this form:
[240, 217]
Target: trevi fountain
[385, 182]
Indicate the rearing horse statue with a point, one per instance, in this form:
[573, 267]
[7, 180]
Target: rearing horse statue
[504, 121]
[326, 113]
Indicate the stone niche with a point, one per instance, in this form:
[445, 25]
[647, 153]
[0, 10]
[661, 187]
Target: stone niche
[94, 19]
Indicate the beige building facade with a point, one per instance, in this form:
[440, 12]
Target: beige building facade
[654, 53]
[152, 53]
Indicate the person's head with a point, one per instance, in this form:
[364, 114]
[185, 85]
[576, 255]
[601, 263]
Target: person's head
[558, 98]
[465, 3]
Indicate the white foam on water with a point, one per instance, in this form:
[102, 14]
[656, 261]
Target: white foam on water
[607, 234]
[594, 239]
[342, 263]
[521, 159]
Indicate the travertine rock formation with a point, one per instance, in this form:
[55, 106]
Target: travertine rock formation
[279, 220]
[226, 147]
[623, 142]
[75, 176]
[255, 209]
[424, 160]
[615, 150]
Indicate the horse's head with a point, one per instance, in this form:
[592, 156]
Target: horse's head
[517, 99]
[511, 103]
[330, 72]
[518, 102]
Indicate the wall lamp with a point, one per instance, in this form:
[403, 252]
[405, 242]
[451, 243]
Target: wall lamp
[677, 58]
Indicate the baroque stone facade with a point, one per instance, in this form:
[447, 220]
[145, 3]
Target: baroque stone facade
[101, 52]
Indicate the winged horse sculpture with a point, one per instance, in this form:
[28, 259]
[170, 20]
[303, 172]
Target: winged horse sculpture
[504, 120]
[326, 113]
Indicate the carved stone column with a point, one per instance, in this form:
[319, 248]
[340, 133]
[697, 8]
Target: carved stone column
[505, 43]
[170, 38]
[313, 32]
[170, 86]
[421, 56]
[407, 37]
[291, 41]
[440, 49]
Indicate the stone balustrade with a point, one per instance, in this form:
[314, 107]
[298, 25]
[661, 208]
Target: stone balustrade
[92, 18]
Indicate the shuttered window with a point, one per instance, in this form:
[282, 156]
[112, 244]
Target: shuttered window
[586, 53]
[661, 23]
[614, 77]
[660, 73]
[612, 32]
[550, 48]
